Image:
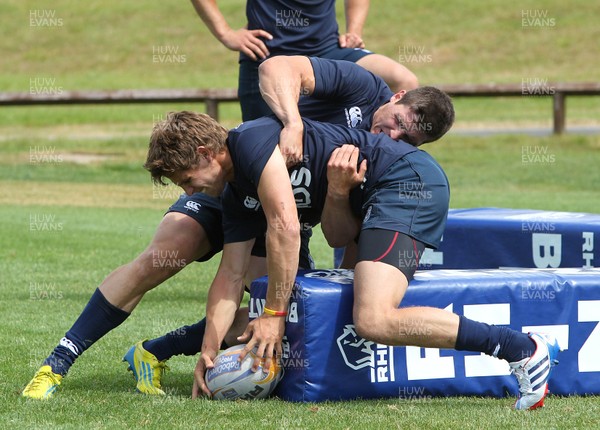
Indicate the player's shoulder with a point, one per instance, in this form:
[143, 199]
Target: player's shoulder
[326, 66]
[313, 126]
[258, 130]
[265, 123]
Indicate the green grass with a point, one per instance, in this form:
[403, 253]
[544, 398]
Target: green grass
[110, 46]
[98, 391]
[48, 276]
[501, 171]
[106, 212]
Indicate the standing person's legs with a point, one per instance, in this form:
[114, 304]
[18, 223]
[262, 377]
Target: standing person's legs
[397, 76]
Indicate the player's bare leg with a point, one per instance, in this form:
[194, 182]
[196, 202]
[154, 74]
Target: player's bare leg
[397, 76]
[178, 237]
[118, 295]
[378, 291]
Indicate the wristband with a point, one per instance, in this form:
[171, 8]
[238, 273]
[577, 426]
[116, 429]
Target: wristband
[274, 313]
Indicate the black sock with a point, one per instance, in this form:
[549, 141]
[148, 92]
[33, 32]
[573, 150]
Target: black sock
[501, 342]
[98, 318]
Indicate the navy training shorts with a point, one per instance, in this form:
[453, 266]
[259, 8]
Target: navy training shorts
[411, 197]
[207, 211]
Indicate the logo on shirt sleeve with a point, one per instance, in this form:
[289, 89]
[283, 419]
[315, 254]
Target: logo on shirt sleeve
[251, 203]
[192, 206]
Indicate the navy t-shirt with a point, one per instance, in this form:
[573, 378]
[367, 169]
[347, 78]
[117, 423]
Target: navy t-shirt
[345, 93]
[306, 27]
[252, 144]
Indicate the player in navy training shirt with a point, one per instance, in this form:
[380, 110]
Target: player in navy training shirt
[191, 227]
[343, 93]
[251, 145]
[340, 92]
[403, 203]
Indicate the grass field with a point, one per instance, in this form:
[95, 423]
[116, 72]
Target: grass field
[79, 170]
[103, 214]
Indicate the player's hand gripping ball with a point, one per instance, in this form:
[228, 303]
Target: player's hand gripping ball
[231, 379]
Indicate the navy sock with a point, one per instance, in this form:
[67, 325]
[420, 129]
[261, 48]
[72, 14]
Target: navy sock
[98, 318]
[185, 340]
[501, 342]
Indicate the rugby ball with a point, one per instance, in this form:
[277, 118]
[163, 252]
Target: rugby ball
[231, 379]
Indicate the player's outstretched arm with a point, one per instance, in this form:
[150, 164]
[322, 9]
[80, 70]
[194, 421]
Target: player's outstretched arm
[224, 297]
[282, 79]
[338, 223]
[283, 247]
[243, 40]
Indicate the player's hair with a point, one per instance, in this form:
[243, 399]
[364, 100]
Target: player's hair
[174, 142]
[434, 109]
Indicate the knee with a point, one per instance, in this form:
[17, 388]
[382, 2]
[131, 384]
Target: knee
[369, 323]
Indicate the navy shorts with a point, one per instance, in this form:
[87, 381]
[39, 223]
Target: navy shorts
[347, 54]
[207, 211]
[251, 101]
[411, 197]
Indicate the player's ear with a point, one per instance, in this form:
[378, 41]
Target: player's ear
[396, 97]
[204, 152]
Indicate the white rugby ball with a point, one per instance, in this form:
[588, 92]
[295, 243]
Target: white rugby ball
[231, 379]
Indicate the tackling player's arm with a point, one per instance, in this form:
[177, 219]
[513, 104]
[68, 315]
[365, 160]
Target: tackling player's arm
[243, 40]
[338, 223]
[224, 297]
[283, 247]
[281, 80]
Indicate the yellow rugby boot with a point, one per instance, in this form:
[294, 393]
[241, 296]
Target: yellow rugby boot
[43, 385]
[146, 369]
